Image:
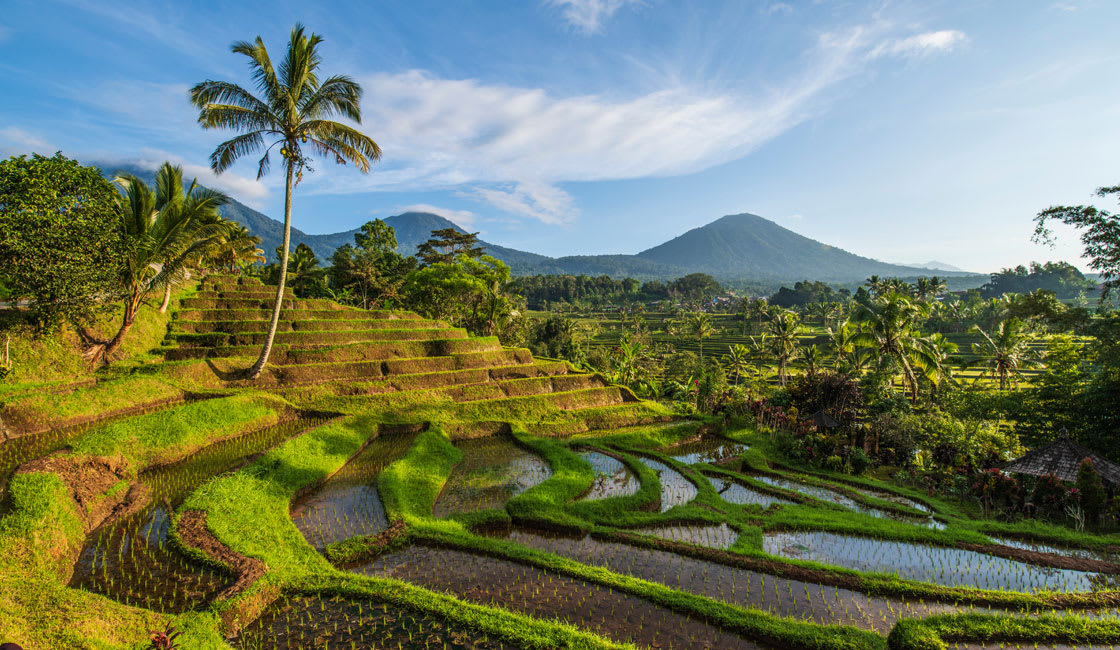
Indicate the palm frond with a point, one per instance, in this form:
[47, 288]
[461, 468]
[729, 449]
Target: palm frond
[261, 66]
[228, 152]
[338, 95]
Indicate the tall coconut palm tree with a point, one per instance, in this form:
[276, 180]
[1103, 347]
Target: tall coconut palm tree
[167, 227]
[292, 112]
[738, 360]
[889, 329]
[1004, 353]
[238, 246]
[811, 358]
[699, 325]
[779, 339]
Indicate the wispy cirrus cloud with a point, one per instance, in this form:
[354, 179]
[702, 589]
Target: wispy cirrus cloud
[512, 146]
[589, 16]
[15, 141]
[921, 44]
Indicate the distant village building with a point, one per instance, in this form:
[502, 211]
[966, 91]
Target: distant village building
[1062, 458]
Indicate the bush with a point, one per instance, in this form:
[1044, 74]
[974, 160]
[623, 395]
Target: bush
[859, 461]
[834, 464]
[1049, 496]
[1090, 491]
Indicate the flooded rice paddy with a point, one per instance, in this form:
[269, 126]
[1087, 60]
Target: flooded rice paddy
[612, 477]
[676, 490]
[131, 560]
[944, 566]
[347, 504]
[733, 492]
[493, 470]
[785, 597]
[831, 496]
[721, 536]
[708, 449]
[539, 593]
[334, 623]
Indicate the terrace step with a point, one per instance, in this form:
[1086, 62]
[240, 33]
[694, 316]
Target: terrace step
[259, 303]
[528, 407]
[504, 388]
[427, 381]
[223, 339]
[302, 373]
[287, 354]
[296, 325]
[339, 312]
[259, 293]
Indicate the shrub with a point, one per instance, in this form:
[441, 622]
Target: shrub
[834, 464]
[1049, 496]
[858, 460]
[1090, 491]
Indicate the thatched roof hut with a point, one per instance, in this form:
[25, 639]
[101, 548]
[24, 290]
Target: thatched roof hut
[823, 420]
[1062, 458]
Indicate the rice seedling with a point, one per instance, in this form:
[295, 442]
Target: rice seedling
[485, 580]
[939, 565]
[493, 470]
[676, 490]
[708, 449]
[612, 477]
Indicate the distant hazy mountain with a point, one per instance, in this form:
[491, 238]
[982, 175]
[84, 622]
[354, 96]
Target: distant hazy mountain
[934, 265]
[740, 247]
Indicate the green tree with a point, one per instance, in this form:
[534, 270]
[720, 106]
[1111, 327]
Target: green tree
[168, 227]
[738, 360]
[699, 325]
[238, 247]
[60, 240]
[372, 266]
[1100, 235]
[294, 111]
[1004, 353]
[446, 245]
[1090, 491]
[779, 340]
[467, 291]
[889, 330]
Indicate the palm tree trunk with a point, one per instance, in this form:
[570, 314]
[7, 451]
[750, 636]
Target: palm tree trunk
[131, 307]
[166, 299]
[255, 371]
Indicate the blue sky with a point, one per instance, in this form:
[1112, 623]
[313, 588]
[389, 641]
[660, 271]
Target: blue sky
[904, 131]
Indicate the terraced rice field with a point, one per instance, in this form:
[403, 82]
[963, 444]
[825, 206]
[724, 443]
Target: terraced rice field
[394, 483]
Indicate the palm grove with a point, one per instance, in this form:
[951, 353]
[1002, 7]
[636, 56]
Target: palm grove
[898, 375]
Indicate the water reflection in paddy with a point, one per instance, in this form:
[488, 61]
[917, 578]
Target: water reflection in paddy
[721, 536]
[708, 449]
[347, 504]
[676, 490]
[940, 565]
[493, 470]
[612, 477]
[490, 581]
[732, 492]
[743, 587]
[830, 496]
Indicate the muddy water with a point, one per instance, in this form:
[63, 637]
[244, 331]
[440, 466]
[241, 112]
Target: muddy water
[780, 596]
[612, 477]
[824, 494]
[493, 470]
[489, 581]
[347, 504]
[343, 624]
[708, 449]
[721, 536]
[732, 492]
[676, 490]
[131, 560]
[939, 565]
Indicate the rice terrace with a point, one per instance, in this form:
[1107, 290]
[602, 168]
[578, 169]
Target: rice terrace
[333, 430]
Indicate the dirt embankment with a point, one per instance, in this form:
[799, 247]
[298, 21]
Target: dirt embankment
[90, 481]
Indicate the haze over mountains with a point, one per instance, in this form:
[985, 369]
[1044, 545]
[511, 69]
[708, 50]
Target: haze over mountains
[735, 248]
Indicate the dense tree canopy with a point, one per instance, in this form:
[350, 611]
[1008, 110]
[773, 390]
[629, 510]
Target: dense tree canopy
[1062, 278]
[60, 239]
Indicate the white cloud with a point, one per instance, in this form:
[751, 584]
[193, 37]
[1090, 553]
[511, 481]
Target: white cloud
[536, 200]
[247, 190]
[15, 141]
[463, 218]
[921, 44]
[589, 16]
[779, 7]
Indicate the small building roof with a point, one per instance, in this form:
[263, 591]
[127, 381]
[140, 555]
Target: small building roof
[822, 420]
[1062, 458]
